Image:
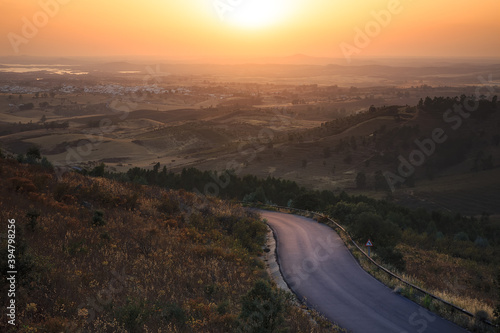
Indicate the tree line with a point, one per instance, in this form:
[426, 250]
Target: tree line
[381, 221]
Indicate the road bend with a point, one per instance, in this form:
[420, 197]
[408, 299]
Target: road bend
[321, 271]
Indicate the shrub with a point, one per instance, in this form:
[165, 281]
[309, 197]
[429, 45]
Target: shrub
[481, 242]
[461, 236]
[33, 154]
[131, 201]
[262, 309]
[132, 315]
[98, 218]
[32, 216]
[426, 302]
[251, 234]
[392, 257]
[168, 205]
[173, 313]
[75, 247]
[223, 307]
[46, 164]
[98, 171]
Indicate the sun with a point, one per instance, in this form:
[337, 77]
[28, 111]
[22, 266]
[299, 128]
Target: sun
[253, 14]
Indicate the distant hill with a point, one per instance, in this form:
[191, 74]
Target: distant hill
[116, 66]
[38, 60]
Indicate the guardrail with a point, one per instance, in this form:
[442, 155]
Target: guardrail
[454, 307]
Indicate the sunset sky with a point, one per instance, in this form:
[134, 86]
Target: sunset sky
[210, 29]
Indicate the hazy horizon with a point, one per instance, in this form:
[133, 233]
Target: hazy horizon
[214, 31]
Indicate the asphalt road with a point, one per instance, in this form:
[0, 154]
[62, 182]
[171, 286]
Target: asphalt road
[320, 270]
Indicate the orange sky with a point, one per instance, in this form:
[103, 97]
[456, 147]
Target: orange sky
[194, 29]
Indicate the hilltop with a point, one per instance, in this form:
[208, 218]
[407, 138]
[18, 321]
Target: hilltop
[103, 256]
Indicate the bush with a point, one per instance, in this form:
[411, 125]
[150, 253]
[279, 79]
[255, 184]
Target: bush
[98, 171]
[262, 309]
[461, 236]
[32, 216]
[46, 164]
[481, 242]
[250, 233]
[33, 153]
[168, 205]
[132, 316]
[98, 218]
[392, 257]
[426, 302]
[173, 313]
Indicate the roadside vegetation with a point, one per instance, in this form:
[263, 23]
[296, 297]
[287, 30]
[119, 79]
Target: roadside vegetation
[97, 255]
[449, 254]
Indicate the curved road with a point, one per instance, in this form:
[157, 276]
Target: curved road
[320, 270]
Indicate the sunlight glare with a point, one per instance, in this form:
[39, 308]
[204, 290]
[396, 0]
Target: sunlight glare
[258, 13]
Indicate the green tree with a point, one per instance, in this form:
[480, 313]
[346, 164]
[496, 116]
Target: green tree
[33, 153]
[98, 171]
[369, 225]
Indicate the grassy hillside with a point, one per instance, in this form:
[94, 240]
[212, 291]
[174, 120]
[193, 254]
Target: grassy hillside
[101, 256]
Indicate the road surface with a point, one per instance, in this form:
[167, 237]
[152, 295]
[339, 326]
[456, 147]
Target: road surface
[320, 269]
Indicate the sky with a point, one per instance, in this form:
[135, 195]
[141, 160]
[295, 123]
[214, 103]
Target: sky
[243, 29]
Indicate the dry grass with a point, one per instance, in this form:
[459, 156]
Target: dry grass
[149, 262]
